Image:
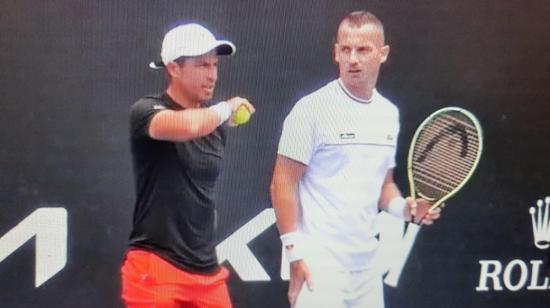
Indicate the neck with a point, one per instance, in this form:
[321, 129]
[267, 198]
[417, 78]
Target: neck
[181, 99]
[361, 93]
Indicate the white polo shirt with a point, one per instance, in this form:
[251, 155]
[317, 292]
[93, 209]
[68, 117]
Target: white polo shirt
[348, 146]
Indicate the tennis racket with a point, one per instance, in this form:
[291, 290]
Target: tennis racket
[443, 155]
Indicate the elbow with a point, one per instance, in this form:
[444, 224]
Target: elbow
[155, 133]
[281, 194]
[273, 190]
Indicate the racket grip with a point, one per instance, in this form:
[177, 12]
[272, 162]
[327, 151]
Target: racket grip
[421, 212]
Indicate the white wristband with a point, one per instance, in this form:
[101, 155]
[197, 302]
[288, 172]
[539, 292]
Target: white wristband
[292, 245]
[397, 207]
[223, 110]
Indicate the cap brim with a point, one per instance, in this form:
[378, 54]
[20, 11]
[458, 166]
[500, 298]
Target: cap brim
[156, 65]
[225, 48]
[222, 48]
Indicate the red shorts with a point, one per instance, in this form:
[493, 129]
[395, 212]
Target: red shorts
[149, 281]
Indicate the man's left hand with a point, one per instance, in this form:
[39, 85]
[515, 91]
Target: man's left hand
[421, 213]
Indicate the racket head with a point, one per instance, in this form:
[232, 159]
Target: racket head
[444, 153]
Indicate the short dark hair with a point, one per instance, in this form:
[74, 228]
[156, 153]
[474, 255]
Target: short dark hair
[358, 19]
[181, 60]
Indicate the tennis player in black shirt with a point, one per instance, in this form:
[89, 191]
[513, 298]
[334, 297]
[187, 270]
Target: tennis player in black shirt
[177, 144]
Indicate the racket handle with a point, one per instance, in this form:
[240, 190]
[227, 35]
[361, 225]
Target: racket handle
[421, 213]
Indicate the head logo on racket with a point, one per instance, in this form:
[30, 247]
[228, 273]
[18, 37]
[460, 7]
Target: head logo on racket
[450, 130]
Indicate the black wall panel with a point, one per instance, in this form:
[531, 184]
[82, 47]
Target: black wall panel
[71, 69]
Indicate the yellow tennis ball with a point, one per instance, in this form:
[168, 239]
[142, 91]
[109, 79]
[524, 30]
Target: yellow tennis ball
[242, 115]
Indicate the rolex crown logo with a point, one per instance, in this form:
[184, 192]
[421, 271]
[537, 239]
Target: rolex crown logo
[541, 224]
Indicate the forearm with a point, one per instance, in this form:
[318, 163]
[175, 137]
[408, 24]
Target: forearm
[389, 192]
[286, 210]
[179, 126]
[284, 192]
[391, 200]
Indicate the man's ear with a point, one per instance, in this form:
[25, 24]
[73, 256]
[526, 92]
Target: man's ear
[385, 52]
[335, 54]
[172, 69]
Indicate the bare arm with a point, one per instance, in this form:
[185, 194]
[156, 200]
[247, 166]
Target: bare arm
[389, 191]
[183, 125]
[284, 187]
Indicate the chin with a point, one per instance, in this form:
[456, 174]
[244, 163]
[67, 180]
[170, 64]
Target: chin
[355, 82]
[207, 97]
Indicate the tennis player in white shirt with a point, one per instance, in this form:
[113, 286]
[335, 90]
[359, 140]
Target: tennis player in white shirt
[334, 171]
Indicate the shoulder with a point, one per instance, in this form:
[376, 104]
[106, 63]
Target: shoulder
[142, 111]
[147, 106]
[153, 101]
[317, 99]
[385, 104]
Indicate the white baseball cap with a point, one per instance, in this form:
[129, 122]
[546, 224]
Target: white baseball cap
[190, 40]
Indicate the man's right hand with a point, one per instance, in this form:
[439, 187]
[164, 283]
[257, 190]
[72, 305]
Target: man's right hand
[299, 273]
[236, 102]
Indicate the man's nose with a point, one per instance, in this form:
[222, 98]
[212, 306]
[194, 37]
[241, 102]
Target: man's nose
[213, 73]
[353, 56]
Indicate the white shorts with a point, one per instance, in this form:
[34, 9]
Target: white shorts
[337, 288]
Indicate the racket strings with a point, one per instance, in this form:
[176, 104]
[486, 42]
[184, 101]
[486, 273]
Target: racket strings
[446, 170]
[443, 177]
[457, 118]
[433, 181]
[471, 133]
[429, 190]
[444, 125]
[439, 156]
[444, 154]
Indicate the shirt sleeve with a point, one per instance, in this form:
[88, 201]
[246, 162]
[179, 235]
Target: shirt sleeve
[298, 139]
[141, 114]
